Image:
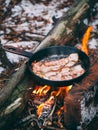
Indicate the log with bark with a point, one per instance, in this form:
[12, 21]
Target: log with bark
[12, 99]
[4, 60]
[81, 103]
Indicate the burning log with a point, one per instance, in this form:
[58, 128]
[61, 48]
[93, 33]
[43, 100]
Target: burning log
[47, 112]
[80, 104]
[46, 108]
[12, 100]
[46, 115]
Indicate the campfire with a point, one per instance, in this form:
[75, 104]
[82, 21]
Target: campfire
[49, 106]
[30, 102]
[46, 107]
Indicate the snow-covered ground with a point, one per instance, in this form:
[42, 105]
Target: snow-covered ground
[33, 18]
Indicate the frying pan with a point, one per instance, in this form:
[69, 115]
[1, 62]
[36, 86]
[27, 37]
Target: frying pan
[52, 52]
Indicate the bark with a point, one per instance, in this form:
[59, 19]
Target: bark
[63, 31]
[4, 60]
[81, 104]
[14, 106]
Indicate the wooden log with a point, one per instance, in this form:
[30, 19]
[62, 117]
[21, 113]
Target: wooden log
[81, 104]
[61, 33]
[14, 106]
[7, 90]
[4, 60]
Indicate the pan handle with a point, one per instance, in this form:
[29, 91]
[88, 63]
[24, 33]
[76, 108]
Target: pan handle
[18, 51]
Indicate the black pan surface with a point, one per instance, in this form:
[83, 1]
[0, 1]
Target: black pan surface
[50, 53]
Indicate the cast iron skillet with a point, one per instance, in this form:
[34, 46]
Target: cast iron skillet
[53, 52]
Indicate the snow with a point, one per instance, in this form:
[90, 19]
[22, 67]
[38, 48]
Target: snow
[27, 9]
[31, 17]
[88, 113]
[93, 43]
[1, 69]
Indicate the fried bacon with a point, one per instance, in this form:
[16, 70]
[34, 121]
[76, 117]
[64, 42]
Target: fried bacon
[61, 69]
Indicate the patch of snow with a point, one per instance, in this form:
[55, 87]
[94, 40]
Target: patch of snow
[14, 57]
[22, 44]
[1, 69]
[7, 2]
[89, 112]
[94, 23]
[85, 21]
[93, 43]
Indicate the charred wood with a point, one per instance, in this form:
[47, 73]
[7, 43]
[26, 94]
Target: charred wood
[46, 116]
[80, 104]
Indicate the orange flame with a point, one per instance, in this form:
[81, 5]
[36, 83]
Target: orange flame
[49, 102]
[61, 90]
[56, 93]
[59, 111]
[41, 90]
[85, 39]
[40, 108]
[68, 88]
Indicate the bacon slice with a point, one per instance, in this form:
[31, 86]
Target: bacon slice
[61, 69]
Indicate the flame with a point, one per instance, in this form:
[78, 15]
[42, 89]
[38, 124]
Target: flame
[40, 108]
[49, 102]
[59, 111]
[56, 93]
[41, 90]
[85, 39]
[68, 88]
[60, 91]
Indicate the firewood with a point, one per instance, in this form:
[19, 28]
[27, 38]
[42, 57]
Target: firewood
[81, 103]
[4, 60]
[46, 116]
[63, 31]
